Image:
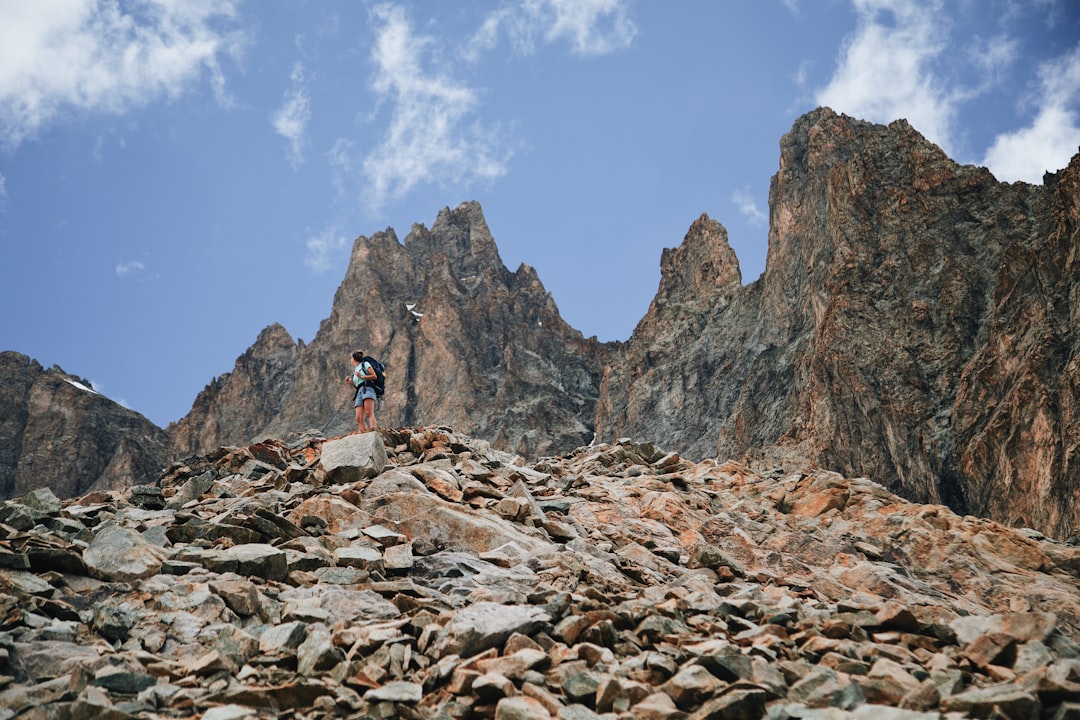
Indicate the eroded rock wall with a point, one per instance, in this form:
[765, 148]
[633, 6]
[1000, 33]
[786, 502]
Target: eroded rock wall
[915, 323]
[56, 432]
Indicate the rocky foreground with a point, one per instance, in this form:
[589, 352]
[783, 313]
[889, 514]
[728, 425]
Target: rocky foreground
[418, 573]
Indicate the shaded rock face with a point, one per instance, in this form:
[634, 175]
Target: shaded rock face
[57, 433]
[447, 579]
[916, 323]
[673, 380]
[466, 343]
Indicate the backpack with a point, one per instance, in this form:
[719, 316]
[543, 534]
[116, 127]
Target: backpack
[379, 383]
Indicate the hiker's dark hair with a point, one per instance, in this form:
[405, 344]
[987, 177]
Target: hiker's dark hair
[358, 356]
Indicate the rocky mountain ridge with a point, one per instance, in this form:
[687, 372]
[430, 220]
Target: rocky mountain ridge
[56, 431]
[422, 574]
[916, 324]
[467, 343]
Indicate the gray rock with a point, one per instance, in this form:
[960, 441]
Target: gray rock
[119, 554]
[317, 653]
[353, 458]
[521, 708]
[251, 560]
[398, 692]
[43, 500]
[192, 489]
[486, 625]
[398, 558]
[361, 557]
[738, 704]
[1015, 702]
[343, 604]
[278, 638]
[691, 686]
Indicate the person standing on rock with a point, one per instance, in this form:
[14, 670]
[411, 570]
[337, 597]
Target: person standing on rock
[362, 377]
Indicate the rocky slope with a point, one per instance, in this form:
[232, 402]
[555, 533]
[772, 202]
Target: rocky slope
[422, 574]
[57, 432]
[466, 343]
[916, 323]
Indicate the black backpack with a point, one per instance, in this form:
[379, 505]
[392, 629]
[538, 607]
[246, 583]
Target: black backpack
[379, 383]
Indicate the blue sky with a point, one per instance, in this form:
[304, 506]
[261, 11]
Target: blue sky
[175, 175]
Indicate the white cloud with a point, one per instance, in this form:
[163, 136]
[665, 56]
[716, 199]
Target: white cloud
[993, 57]
[895, 65]
[323, 250]
[127, 268]
[435, 134]
[340, 159]
[3, 188]
[885, 69]
[1053, 136]
[101, 56]
[432, 135]
[591, 27]
[744, 201]
[291, 119]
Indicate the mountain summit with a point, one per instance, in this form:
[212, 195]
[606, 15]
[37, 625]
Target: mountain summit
[466, 343]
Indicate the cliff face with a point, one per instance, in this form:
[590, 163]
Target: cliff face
[56, 432]
[466, 343]
[671, 380]
[881, 257]
[1017, 410]
[916, 323]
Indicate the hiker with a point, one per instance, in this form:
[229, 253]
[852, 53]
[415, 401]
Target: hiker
[362, 377]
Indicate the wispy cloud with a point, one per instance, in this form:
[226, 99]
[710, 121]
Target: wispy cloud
[291, 119]
[886, 69]
[748, 207]
[433, 133]
[1054, 132]
[324, 249]
[340, 159]
[130, 267]
[105, 57]
[591, 27]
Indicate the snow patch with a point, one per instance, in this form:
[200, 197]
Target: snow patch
[81, 386]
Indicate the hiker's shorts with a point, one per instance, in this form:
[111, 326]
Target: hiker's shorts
[365, 393]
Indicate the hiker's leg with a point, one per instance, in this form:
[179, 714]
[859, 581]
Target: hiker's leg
[360, 417]
[369, 412]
